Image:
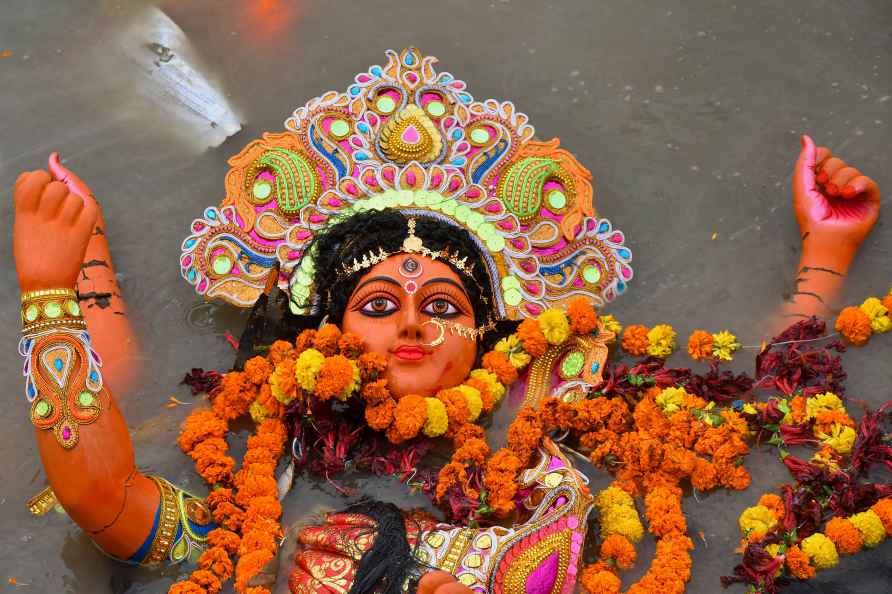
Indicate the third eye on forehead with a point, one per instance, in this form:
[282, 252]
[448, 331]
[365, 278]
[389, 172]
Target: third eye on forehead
[410, 268]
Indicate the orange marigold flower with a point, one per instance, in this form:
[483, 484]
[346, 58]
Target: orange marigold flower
[280, 350]
[284, 381]
[409, 417]
[371, 366]
[618, 548]
[379, 416]
[854, 325]
[453, 473]
[257, 370]
[798, 408]
[186, 587]
[599, 579]
[472, 453]
[798, 564]
[530, 334]
[234, 395]
[883, 508]
[207, 580]
[257, 590]
[266, 399]
[583, 318]
[335, 376]
[218, 496]
[217, 560]
[256, 540]
[199, 426]
[376, 391]
[303, 342]
[225, 539]
[525, 434]
[499, 364]
[700, 345]
[773, 502]
[215, 468]
[845, 535]
[827, 418]
[887, 302]
[500, 480]
[485, 394]
[635, 340]
[326, 341]
[250, 565]
[456, 408]
[739, 479]
[351, 345]
[704, 478]
[465, 432]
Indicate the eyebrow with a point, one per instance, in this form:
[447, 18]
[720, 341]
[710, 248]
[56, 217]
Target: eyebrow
[448, 281]
[386, 279]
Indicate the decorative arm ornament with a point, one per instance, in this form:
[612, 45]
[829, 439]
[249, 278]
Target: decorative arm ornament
[63, 382]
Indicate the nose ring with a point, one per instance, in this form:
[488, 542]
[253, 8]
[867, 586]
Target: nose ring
[442, 336]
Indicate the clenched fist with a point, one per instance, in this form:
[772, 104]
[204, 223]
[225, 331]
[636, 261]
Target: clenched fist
[51, 231]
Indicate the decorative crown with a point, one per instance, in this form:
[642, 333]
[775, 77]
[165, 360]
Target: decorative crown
[406, 137]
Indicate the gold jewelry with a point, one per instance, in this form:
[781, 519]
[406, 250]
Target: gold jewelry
[455, 328]
[412, 244]
[167, 526]
[50, 308]
[442, 336]
[43, 502]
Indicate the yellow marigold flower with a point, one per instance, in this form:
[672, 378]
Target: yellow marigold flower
[671, 400]
[611, 324]
[475, 403]
[758, 520]
[661, 341]
[496, 388]
[437, 420]
[307, 368]
[613, 496]
[822, 402]
[355, 381]
[874, 308]
[724, 345]
[820, 550]
[258, 412]
[824, 457]
[512, 348]
[555, 325]
[878, 314]
[749, 409]
[870, 526]
[841, 438]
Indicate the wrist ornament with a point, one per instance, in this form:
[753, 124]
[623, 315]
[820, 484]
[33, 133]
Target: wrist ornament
[63, 382]
[51, 308]
[180, 530]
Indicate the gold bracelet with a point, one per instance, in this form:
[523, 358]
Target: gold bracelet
[48, 308]
[167, 526]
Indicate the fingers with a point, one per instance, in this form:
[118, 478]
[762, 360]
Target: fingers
[51, 199]
[841, 178]
[831, 166]
[29, 189]
[822, 155]
[71, 208]
[432, 580]
[89, 212]
[68, 177]
[862, 186]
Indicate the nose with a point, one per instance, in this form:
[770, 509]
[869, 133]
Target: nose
[410, 325]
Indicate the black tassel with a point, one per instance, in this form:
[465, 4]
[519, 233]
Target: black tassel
[386, 566]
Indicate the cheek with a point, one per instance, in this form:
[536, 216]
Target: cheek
[454, 361]
[378, 333]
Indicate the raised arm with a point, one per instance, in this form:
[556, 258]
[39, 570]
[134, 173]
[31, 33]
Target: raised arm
[836, 207]
[82, 438]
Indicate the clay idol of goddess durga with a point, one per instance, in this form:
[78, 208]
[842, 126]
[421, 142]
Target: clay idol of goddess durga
[416, 260]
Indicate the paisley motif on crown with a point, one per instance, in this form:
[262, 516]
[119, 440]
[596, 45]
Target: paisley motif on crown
[407, 137]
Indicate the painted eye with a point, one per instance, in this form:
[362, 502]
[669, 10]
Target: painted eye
[440, 308]
[379, 306]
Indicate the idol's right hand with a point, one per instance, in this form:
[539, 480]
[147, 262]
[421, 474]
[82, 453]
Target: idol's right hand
[51, 231]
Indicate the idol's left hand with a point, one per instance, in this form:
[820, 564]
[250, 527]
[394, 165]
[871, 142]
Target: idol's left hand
[836, 206]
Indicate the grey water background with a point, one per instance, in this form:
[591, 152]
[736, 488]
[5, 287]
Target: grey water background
[688, 113]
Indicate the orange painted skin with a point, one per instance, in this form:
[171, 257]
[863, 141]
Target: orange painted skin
[393, 322]
[97, 481]
[836, 207]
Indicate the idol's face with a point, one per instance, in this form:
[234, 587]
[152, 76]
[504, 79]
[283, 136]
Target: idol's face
[392, 307]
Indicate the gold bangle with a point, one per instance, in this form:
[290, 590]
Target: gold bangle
[48, 308]
[167, 526]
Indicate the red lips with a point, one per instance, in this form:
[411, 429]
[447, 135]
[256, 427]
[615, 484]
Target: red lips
[409, 352]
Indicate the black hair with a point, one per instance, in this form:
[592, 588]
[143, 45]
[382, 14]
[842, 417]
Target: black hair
[352, 238]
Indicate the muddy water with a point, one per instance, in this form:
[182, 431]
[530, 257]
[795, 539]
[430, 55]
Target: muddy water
[687, 112]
